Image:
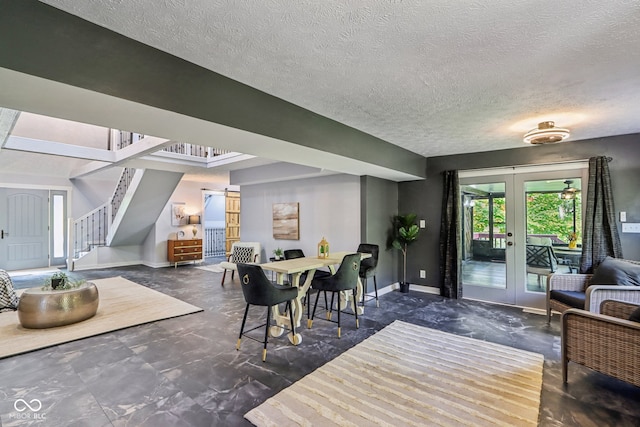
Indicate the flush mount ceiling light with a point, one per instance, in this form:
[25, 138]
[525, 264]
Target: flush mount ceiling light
[546, 133]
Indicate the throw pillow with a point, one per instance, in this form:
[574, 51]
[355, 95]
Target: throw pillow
[613, 271]
[635, 315]
[8, 297]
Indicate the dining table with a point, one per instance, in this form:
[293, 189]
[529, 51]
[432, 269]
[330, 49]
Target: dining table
[294, 268]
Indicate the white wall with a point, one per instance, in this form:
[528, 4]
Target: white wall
[47, 128]
[155, 246]
[329, 207]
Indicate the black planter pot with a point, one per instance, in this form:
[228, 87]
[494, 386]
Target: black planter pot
[57, 283]
[404, 287]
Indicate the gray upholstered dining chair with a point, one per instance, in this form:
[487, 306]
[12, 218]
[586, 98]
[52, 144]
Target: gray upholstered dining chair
[259, 290]
[345, 279]
[368, 269]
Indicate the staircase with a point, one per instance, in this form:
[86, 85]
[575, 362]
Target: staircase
[139, 198]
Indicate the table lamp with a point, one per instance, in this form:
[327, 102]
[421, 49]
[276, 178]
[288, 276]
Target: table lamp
[194, 220]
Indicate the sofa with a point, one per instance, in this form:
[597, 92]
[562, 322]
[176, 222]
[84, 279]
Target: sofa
[613, 279]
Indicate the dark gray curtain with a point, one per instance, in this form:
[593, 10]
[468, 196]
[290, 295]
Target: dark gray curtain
[600, 238]
[450, 237]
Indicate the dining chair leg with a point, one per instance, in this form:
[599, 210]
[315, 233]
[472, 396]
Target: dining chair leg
[224, 274]
[310, 321]
[293, 325]
[355, 311]
[363, 280]
[339, 330]
[266, 334]
[244, 320]
[330, 308]
[375, 288]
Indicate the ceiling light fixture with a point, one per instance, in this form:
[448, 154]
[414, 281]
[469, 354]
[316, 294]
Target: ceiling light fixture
[568, 193]
[546, 133]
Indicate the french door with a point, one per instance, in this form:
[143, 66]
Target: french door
[501, 216]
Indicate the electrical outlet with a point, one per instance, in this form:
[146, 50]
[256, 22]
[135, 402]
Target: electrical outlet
[423, 274]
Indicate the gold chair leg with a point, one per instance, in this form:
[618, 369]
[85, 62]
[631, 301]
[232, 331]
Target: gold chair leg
[309, 323]
[264, 354]
[238, 344]
[339, 332]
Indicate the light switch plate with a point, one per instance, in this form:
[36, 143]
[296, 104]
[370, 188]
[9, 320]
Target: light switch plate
[623, 216]
[423, 224]
[630, 227]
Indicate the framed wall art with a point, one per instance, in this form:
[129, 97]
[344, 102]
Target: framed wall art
[178, 215]
[286, 225]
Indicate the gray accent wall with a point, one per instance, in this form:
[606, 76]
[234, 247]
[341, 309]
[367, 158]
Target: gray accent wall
[378, 206]
[425, 197]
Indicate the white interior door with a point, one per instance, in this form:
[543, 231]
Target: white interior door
[24, 231]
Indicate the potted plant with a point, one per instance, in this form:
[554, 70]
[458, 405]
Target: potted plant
[60, 281]
[278, 253]
[405, 232]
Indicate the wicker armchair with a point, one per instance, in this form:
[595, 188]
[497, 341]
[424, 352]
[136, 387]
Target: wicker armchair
[607, 342]
[594, 294]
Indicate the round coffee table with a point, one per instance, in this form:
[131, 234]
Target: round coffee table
[40, 309]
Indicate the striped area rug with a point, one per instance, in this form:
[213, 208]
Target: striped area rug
[411, 375]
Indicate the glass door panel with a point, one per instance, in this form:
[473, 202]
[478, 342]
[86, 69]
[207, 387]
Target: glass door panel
[485, 239]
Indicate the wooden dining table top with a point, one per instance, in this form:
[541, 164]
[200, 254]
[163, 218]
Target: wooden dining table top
[300, 265]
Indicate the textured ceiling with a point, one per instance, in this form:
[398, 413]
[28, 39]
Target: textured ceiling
[435, 77]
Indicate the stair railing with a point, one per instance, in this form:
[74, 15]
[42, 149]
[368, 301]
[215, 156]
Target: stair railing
[121, 189]
[90, 230]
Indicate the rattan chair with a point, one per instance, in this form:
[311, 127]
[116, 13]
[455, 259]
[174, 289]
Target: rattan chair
[592, 296]
[606, 342]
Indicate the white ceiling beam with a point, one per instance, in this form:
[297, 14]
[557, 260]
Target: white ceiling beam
[8, 119]
[19, 143]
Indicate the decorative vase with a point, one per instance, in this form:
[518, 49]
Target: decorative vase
[573, 244]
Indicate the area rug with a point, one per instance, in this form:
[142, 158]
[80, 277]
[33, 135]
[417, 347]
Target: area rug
[123, 303]
[214, 268]
[411, 375]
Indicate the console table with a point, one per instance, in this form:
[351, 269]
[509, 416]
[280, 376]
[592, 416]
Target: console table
[184, 250]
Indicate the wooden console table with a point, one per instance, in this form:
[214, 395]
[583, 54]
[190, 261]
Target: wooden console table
[184, 250]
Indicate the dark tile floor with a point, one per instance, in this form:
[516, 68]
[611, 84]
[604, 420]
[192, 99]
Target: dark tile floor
[186, 372]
